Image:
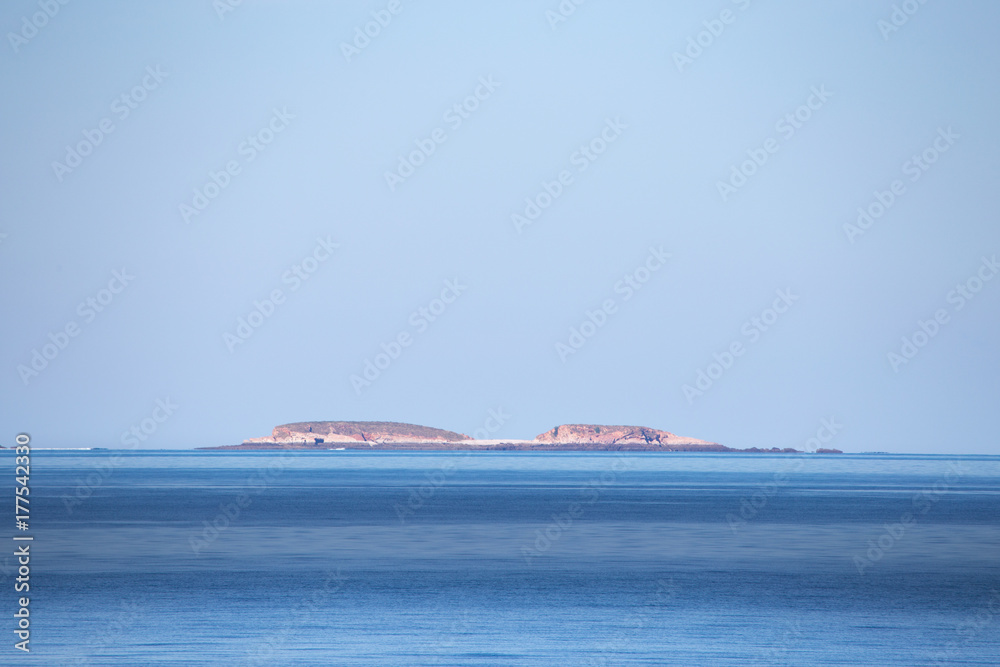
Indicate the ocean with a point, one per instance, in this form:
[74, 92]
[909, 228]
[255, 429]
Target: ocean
[454, 558]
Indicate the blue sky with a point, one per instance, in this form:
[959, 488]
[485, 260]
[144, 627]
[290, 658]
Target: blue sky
[247, 159]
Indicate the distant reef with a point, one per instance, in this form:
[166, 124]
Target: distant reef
[393, 436]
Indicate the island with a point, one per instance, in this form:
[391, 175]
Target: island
[394, 436]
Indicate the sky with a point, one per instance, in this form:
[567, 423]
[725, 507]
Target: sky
[748, 222]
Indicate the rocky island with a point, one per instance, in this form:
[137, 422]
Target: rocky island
[387, 436]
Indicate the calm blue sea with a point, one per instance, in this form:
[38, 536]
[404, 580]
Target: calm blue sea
[342, 558]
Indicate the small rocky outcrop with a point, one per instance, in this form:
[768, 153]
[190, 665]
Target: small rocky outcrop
[372, 433]
[394, 436]
[614, 435]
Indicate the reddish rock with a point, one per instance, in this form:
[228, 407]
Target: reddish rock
[615, 435]
[392, 436]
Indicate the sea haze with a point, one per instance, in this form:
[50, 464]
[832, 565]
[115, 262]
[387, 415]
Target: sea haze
[455, 558]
